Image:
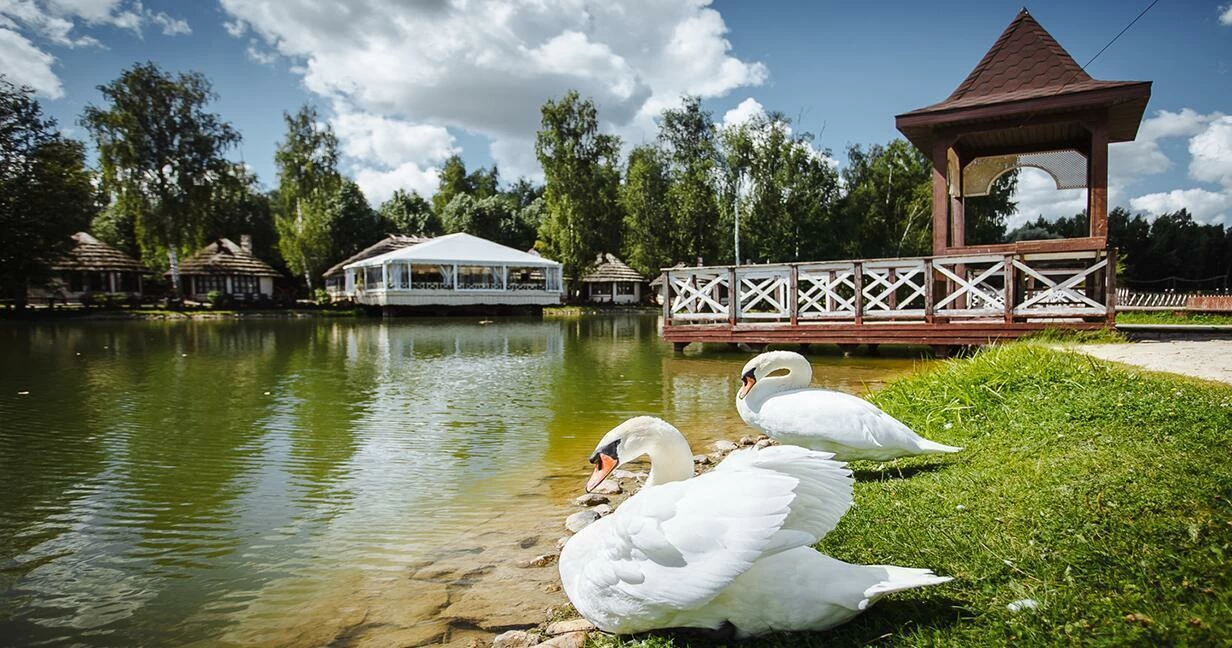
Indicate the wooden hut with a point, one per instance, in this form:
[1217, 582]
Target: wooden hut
[335, 277]
[92, 268]
[227, 268]
[610, 281]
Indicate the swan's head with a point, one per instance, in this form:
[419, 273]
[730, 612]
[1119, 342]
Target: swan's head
[767, 363]
[630, 440]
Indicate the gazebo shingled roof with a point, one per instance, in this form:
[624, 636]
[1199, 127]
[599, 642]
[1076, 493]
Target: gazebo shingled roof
[388, 244]
[89, 253]
[610, 268]
[224, 257]
[1027, 74]
[1026, 96]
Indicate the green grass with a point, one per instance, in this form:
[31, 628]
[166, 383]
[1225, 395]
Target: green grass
[1103, 493]
[1077, 336]
[1169, 317]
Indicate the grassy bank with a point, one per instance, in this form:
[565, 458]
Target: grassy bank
[80, 314]
[1179, 317]
[1101, 493]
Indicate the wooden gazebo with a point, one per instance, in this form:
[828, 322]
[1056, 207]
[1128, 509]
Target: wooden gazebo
[1027, 104]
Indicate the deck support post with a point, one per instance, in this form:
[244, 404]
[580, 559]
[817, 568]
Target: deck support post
[873, 349]
[942, 351]
[848, 349]
[1007, 291]
[1110, 299]
[678, 347]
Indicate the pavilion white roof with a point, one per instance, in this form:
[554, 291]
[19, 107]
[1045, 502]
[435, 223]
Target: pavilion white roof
[460, 248]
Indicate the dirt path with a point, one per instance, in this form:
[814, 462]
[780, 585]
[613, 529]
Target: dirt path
[1211, 360]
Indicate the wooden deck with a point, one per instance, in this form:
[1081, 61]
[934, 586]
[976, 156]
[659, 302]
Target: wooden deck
[941, 301]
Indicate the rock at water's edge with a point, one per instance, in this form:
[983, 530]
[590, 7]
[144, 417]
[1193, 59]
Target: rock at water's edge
[580, 520]
[572, 625]
[591, 499]
[516, 639]
[725, 446]
[701, 460]
[571, 640]
[607, 487]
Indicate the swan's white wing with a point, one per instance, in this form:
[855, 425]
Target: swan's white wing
[674, 547]
[823, 489]
[840, 418]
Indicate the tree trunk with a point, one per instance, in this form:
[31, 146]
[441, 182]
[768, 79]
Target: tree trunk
[308, 278]
[173, 259]
[21, 295]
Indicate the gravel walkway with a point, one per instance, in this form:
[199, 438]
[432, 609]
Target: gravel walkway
[1210, 360]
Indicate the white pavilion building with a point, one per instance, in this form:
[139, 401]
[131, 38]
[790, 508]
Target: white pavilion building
[455, 270]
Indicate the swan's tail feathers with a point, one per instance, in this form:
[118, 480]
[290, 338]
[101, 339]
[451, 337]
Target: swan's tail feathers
[932, 447]
[898, 579]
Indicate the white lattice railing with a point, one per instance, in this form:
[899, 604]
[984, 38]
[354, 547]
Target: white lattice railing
[950, 288]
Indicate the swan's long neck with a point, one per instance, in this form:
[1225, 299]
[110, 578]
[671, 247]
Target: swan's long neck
[799, 374]
[670, 458]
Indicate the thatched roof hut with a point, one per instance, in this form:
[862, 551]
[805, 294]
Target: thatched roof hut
[228, 268]
[611, 280]
[387, 244]
[91, 254]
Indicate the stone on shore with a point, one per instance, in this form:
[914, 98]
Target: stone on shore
[571, 640]
[580, 520]
[620, 473]
[747, 440]
[701, 460]
[602, 509]
[572, 625]
[591, 499]
[725, 446]
[764, 443]
[516, 639]
[560, 542]
[538, 561]
[607, 487]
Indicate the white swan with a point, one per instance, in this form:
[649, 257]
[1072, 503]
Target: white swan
[730, 549]
[783, 406]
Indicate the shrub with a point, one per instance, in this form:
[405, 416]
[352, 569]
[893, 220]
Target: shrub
[321, 297]
[217, 298]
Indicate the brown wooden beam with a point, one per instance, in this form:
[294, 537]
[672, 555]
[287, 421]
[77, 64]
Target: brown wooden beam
[941, 204]
[1097, 182]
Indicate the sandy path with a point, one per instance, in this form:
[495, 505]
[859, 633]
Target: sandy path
[1211, 360]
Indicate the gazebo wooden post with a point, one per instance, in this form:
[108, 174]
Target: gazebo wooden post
[940, 158]
[1097, 180]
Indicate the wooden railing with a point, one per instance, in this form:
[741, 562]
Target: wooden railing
[1015, 287]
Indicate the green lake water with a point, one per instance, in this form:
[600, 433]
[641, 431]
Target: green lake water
[243, 482]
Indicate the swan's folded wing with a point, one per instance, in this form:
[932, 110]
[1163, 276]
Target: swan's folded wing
[676, 546]
[823, 492]
[840, 418]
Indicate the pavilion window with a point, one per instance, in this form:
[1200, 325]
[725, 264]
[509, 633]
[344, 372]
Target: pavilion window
[528, 278]
[97, 282]
[394, 275]
[475, 277]
[553, 278]
[209, 283]
[601, 288]
[625, 288]
[426, 276]
[129, 282]
[75, 280]
[404, 275]
[372, 277]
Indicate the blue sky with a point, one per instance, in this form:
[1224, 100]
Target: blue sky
[406, 83]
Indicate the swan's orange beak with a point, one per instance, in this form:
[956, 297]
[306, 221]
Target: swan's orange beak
[748, 382]
[604, 465]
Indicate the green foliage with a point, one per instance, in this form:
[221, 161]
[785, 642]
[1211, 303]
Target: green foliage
[690, 146]
[321, 297]
[887, 208]
[649, 230]
[307, 161]
[495, 218]
[217, 299]
[985, 215]
[160, 153]
[45, 191]
[455, 181]
[118, 229]
[1100, 492]
[583, 216]
[239, 208]
[788, 206]
[1175, 318]
[409, 214]
[352, 223]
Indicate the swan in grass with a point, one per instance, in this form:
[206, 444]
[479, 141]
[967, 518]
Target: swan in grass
[784, 407]
[730, 550]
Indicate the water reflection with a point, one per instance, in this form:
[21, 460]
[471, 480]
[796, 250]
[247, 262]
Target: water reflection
[212, 481]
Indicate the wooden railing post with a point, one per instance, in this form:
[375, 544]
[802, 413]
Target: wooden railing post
[1008, 288]
[858, 276]
[667, 298]
[1110, 286]
[929, 287]
[733, 297]
[793, 296]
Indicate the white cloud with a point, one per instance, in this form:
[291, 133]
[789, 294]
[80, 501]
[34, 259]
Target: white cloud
[378, 185]
[1131, 161]
[1211, 153]
[171, 26]
[259, 55]
[1225, 15]
[744, 112]
[391, 142]
[1037, 195]
[56, 22]
[25, 64]
[1205, 206]
[487, 66]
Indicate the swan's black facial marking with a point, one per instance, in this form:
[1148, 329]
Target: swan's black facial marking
[746, 383]
[749, 375]
[609, 450]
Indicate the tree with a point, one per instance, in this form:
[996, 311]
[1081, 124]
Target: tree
[239, 208]
[409, 214]
[308, 178]
[352, 223]
[45, 191]
[688, 138]
[160, 152]
[649, 230]
[887, 208]
[495, 218]
[581, 194]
